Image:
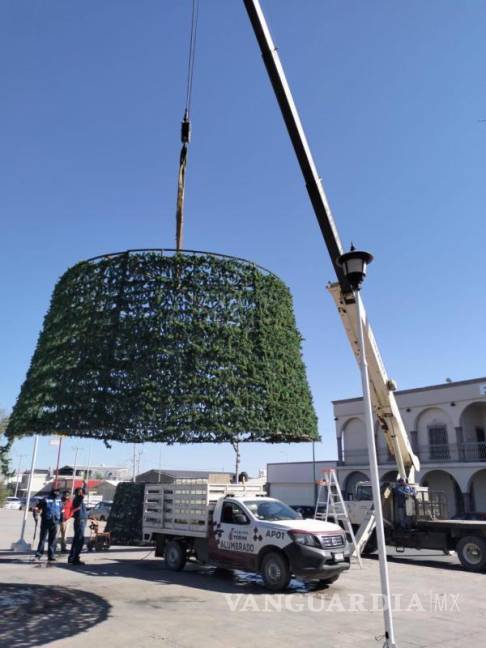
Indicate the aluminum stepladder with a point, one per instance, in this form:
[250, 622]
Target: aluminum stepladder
[365, 530]
[331, 497]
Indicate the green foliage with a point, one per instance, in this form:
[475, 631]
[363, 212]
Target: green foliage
[185, 348]
[3, 421]
[126, 515]
[4, 449]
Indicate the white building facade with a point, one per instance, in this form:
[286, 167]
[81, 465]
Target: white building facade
[447, 427]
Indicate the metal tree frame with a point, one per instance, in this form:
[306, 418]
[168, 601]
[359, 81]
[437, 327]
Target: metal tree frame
[158, 345]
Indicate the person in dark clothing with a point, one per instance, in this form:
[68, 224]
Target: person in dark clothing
[79, 515]
[403, 492]
[50, 509]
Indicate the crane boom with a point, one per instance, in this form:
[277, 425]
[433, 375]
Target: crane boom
[382, 387]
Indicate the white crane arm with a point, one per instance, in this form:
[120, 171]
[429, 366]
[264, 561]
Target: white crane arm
[383, 399]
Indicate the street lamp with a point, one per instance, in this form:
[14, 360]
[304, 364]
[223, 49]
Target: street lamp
[354, 264]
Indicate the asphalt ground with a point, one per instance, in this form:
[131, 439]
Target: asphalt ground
[126, 597]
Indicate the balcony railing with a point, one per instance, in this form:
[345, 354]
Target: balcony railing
[435, 453]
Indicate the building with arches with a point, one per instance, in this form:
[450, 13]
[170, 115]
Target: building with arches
[446, 424]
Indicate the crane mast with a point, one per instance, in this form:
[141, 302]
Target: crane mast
[382, 388]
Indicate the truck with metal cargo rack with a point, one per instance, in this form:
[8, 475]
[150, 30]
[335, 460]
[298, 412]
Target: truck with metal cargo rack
[428, 525]
[236, 526]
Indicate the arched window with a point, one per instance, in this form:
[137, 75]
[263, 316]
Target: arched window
[438, 444]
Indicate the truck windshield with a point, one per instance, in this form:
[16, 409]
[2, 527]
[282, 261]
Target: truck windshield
[363, 492]
[271, 510]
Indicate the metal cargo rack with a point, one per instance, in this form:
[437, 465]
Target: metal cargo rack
[184, 507]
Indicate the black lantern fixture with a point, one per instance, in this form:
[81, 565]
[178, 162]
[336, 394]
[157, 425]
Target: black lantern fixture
[354, 264]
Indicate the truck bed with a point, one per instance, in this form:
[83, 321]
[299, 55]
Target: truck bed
[183, 507]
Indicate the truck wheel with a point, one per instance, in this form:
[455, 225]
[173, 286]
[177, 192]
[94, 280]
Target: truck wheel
[275, 572]
[175, 555]
[370, 546]
[471, 551]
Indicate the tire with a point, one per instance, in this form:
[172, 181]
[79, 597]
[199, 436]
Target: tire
[275, 571]
[370, 546]
[471, 551]
[175, 555]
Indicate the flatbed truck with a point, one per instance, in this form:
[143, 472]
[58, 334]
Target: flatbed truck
[427, 524]
[236, 526]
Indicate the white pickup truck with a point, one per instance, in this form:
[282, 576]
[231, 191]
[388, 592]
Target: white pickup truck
[237, 527]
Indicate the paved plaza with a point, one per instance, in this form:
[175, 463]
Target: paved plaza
[125, 597]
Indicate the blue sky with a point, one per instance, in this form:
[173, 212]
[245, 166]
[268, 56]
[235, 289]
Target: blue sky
[391, 96]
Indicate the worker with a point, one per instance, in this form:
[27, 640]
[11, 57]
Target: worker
[50, 510]
[79, 515]
[402, 493]
[66, 516]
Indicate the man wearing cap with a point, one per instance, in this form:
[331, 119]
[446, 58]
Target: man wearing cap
[50, 509]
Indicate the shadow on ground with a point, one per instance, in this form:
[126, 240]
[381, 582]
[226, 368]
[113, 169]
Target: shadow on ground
[194, 576]
[153, 569]
[420, 559]
[35, 615]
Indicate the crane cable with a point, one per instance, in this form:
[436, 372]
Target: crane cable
[186, 127]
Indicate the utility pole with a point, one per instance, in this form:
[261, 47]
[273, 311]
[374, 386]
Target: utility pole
[314, 479]
[134, 462]
[57, 463]
[236, 448]
[76, 450]
[88, 467]
[86, 474]
[18, 474]
[139, 453]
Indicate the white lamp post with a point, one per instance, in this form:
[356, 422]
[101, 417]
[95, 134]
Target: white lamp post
[21, 546]
[354, 264]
